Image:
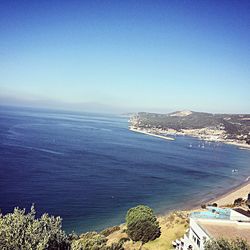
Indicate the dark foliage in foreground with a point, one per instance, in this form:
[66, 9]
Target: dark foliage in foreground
[20, 230]
[224, 244]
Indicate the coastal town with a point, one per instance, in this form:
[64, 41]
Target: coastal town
[231, 129]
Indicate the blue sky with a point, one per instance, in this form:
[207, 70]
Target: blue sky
[126, 55]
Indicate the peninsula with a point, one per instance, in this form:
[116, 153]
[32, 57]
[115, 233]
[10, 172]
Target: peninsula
[226, 128]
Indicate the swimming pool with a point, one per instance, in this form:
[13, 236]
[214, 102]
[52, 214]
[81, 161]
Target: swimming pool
[213, 213]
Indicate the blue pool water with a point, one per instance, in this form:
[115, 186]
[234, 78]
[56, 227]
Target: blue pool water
[89, 168]
[213, 213]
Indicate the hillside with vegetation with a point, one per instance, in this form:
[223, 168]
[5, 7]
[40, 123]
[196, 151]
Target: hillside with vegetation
[142, 231]
[221, 127]
[22, 230]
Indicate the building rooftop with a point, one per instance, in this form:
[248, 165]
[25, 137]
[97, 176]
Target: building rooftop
[242, 211]
[225, 229]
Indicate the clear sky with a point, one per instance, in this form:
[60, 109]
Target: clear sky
[126, 55]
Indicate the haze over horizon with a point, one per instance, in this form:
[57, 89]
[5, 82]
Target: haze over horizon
[126, 56]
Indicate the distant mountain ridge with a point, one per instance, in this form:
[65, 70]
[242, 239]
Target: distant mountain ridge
[234, 127]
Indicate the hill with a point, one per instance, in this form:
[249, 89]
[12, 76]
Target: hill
[233, 128]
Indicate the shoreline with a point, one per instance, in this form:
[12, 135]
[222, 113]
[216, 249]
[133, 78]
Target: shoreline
[239, 191]
[239, 145]
[242, 146]
[222, 200]
[229, 195]
[151, 134]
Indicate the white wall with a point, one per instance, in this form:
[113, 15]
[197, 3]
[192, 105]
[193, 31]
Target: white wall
[235, 216]
[195, 231]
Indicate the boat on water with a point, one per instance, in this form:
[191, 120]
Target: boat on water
[235, 170]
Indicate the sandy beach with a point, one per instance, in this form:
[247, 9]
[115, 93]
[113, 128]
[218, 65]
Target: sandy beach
[229, 197]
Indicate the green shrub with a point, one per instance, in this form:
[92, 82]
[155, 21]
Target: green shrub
[142, 224]
[248, 203]
[20, 230]
[203, 206]
[224, 244]
[73, 236]
[106, 232]
[90, 241]
[239, 202]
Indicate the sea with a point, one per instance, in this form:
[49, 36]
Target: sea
[90, 168]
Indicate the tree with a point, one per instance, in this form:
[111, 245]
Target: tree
[90, 241]
[238, 202]
[224, 244]
[142, 224]
[19, 230]
[248, 201]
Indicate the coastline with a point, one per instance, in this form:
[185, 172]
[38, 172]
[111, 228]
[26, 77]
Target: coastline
[239, 145]
[242, 146]
[240, 191]
[164, 219]
[225, 198]
[228, 196]
[151, 134]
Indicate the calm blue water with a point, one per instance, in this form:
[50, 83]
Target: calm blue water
[90, 169]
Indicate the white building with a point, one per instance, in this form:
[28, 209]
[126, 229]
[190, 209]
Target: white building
[215, 223]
